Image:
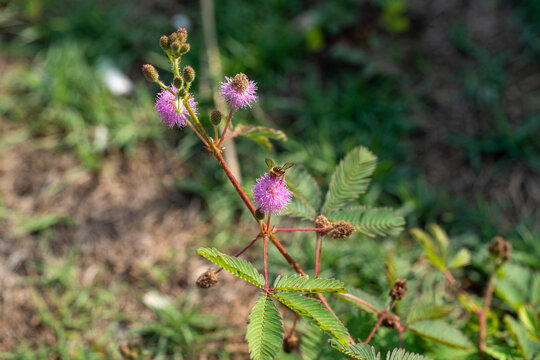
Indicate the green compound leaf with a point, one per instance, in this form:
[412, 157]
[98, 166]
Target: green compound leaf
[265, 329]
[402, 354]
[441, 332]
[350, 179]
[260, 134]
[370, 221]
[314, 311]
[238, 267]
[299, 283]
[526, 345]
[358, 351]
[306, 198]
[367, 352]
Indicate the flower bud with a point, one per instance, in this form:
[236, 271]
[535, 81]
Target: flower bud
[173, 37]
[182, 34]
[399, 289]
[290, 343]
[341, 230]
[500, 248]
[150, 73]
[259, 214]
[188, 74]
[182, 93]
[208, 279]
[175, 47]
[185, 48]
[215, 118]
[178, 82]
[164, 43]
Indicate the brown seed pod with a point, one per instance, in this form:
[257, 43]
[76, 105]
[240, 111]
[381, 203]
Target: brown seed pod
[399, 289]
[208, 279]
[322, 222]
[341, 230]
[290, 343]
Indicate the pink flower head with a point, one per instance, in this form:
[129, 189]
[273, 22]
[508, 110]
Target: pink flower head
[239, 91]
[166, 107]
[271, 194]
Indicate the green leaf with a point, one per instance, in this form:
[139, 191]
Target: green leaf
[528, 347]
[358, 351]
[402, 354]
[441, 332]
[462, 258]
[252, 130]
[238, 267]
[265, 329]
[299, 283]
[442, 239]
[390, 269]
[350, 179]
[370, 221]
[314, 311]
[423, 309]
[260, 134]
[307, 196]
[429, 248]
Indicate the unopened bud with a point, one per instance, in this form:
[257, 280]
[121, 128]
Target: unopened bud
[182, 34]
[188, 74]
[399, 289]
[164, 43]
[290, 343]
[341, 230]
[322, 222]
[182, 93]
[390, 320]
[150, 73]
[178, 82]
[208, 279]
[259, 215]
[175, 47]
[500, 248]
[173, 37]
[185, 48]
[215, 118]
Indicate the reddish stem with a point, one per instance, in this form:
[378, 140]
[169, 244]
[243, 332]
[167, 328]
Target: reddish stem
[318, 246]
[294, 325]
[302, 229]
[452, 280]
[196, 132]
[381, 317]
[220, 142]
[235, 183]
[266, 261]
[366, 304]
[482, 316]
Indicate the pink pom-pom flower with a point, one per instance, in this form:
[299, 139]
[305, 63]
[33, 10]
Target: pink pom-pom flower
[239, 91]
[166, 107]
[271, 194]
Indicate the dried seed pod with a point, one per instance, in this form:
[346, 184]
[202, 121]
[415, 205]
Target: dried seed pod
[290, 343]
[341, 230]
[399, 289]
[322, 222]
[208, 279]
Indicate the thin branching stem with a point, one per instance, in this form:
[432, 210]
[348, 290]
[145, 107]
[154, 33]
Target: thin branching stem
[220, 142]
[381, 318]
[244, 249]
[266, 261]
[482, 316]
[363, 302]
[301, 229]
